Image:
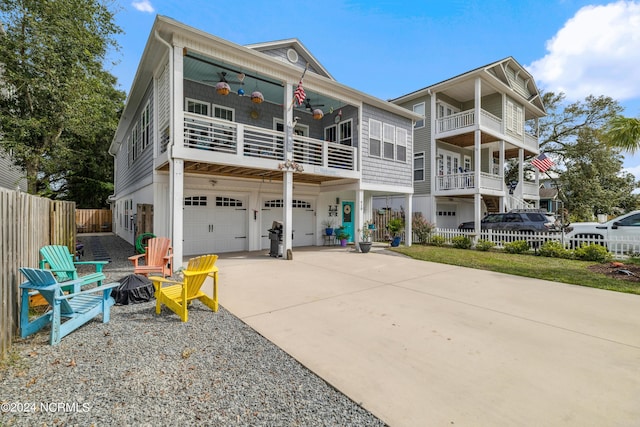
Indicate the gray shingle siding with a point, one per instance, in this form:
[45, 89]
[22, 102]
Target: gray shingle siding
[129, 176]
[380, 170]
[421, 143]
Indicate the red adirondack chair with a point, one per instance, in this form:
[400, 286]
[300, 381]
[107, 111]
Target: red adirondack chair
[157, 258]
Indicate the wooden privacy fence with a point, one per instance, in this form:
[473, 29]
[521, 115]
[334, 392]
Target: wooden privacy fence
[26, 224]
[93, 220]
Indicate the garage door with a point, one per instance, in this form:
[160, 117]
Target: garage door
[303, 216]
[214, 224]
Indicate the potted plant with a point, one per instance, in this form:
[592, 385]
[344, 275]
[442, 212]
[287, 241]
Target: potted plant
[395, 227]
[365, 243]
[342, 235]
[328, 227]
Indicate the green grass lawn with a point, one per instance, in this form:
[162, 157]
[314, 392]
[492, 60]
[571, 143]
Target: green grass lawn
[554, 269]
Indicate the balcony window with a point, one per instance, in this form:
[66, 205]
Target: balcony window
[344, 131]
[389, 136]
[197, 107]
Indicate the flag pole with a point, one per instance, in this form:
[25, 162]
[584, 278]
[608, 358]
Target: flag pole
[300, 81]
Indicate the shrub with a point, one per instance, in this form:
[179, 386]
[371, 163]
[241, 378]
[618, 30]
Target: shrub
[592, 252]
[484, 245]
[461, 242]
[422, 228]
[516, 247]
[438, 240]
[555, 249]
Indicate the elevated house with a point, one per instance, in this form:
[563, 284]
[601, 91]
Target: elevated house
[11, 176]
[221, 141]
[473, 123]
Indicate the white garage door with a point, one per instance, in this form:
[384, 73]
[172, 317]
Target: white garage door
[214, 224]
[303, 213]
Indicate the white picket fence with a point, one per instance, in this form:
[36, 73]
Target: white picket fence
[619, 247]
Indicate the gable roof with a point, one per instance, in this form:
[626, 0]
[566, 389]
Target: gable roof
[280, 49]
[502, 73]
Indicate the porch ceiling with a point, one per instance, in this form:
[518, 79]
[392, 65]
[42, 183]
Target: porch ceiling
[249, 173]
[467, 140]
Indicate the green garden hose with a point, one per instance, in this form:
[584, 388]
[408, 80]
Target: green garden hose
[141, 242]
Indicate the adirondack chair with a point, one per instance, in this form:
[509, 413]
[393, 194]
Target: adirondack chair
[178, 294]
[157, 258]
[60, 261]
[77, 308]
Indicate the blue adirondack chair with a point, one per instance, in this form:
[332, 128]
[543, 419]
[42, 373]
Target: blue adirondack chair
[61, 262]
[76, 308]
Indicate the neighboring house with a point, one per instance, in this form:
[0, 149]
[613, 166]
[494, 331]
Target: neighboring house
[11, 176]
[472, 124]
[220, 167]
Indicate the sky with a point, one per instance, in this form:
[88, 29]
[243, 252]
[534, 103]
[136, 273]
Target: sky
[390, 48]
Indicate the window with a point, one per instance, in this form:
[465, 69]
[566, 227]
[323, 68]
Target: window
[445, 110]
[401, 145]
[515, 118]
[344, 131]
[467, 163]
[375, 137]
[195, 201]
[145, 126]
[419, 109]
[222, 113]
[418, 166]
[135, 141]
[129, 151]
[197, 107]
[228, 202]
[388, 137]
[330, 133]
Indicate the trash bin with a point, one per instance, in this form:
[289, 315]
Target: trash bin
[275, 235]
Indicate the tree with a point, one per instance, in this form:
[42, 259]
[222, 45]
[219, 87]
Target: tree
[52, 56]
[593, 182]
[624, 133]
[587, 171]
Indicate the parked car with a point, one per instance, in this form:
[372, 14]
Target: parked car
[627, 225]
[527, 220]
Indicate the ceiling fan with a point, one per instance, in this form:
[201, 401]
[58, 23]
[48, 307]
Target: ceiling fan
[223, 78]
[309, 106]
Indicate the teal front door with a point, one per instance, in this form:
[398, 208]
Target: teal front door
[347, 219]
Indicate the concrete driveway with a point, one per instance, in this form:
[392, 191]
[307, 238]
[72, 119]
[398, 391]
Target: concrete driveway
[425, 344]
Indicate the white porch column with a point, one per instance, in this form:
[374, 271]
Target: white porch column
[177, 183]
[477, 140]
[501, 166]
[287, 178]
[520, 186]
[432, 160]
[408, 219]
[359, 220]
[176, 166]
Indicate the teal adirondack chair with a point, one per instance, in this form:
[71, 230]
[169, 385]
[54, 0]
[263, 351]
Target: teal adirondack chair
[61, 262]
[76, 308]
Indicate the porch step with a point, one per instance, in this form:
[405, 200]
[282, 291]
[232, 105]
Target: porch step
[492, 204]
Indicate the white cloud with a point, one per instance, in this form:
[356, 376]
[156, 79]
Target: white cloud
[597, 52]
[143, 6]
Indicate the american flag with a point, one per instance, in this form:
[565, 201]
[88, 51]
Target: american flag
[542, 162]
[299, 94]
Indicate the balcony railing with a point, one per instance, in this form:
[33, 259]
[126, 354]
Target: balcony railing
[467, 180]
[466, 119]
[206, 133]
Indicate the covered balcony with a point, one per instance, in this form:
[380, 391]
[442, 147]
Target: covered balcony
[458, 127]
[233, 123]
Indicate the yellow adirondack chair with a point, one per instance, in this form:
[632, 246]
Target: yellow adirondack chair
[157, 258]
[177, 295]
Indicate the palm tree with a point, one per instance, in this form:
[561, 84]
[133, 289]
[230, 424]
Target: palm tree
[623, 132]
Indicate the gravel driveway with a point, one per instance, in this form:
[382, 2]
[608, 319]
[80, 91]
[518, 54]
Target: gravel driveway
[143, 369]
